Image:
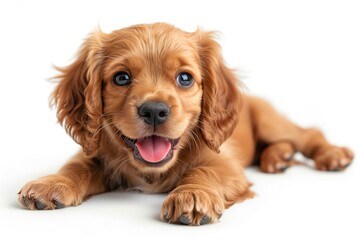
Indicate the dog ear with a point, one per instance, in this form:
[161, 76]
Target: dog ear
[221, 95]
[78, 96]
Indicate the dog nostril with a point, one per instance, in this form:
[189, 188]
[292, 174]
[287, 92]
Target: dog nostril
[162, 114]
[145, 114]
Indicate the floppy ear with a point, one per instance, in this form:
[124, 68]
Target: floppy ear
[221, 95]
[78, 95]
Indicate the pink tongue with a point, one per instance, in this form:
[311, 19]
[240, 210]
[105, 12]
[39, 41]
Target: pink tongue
[153, 149]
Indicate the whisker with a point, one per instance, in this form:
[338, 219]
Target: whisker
[117, 170]
[114, 135]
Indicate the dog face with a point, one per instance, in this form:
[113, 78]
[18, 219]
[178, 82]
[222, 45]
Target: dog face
[149, 89]
[152, 91]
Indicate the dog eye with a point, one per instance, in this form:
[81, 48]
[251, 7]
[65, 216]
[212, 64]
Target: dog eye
[121, 78]
[184, 80]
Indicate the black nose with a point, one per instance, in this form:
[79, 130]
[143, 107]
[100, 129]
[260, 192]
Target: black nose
[154, 113]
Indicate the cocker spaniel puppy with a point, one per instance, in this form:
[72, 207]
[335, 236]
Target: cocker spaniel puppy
[155, 109]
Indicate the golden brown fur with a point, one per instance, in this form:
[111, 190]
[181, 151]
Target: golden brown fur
[218, 128]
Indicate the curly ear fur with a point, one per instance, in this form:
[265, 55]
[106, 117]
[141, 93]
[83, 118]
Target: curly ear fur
[221, 96]
[78, 95]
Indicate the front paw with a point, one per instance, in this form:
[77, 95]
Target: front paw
[333, 158]
[192, 206]
[50, 192]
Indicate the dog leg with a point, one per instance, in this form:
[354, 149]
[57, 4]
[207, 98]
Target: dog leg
[75, 181]
[271, 127]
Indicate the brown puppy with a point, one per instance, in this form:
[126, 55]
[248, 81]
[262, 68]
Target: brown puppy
[155, 109]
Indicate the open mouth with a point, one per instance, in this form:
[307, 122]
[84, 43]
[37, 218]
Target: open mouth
[153, 150]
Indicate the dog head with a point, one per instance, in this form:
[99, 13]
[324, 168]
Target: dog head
[148, 89]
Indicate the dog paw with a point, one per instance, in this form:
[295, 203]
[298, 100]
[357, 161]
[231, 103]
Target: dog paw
[333, 158]
[50, 192]
[276, 158]
[192, 207]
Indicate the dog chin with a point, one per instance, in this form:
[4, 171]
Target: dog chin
[152, 150]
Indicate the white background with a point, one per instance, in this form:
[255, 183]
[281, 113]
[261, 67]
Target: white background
[303, 56]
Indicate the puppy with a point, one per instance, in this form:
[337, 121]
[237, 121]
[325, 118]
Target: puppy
[155, 109]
